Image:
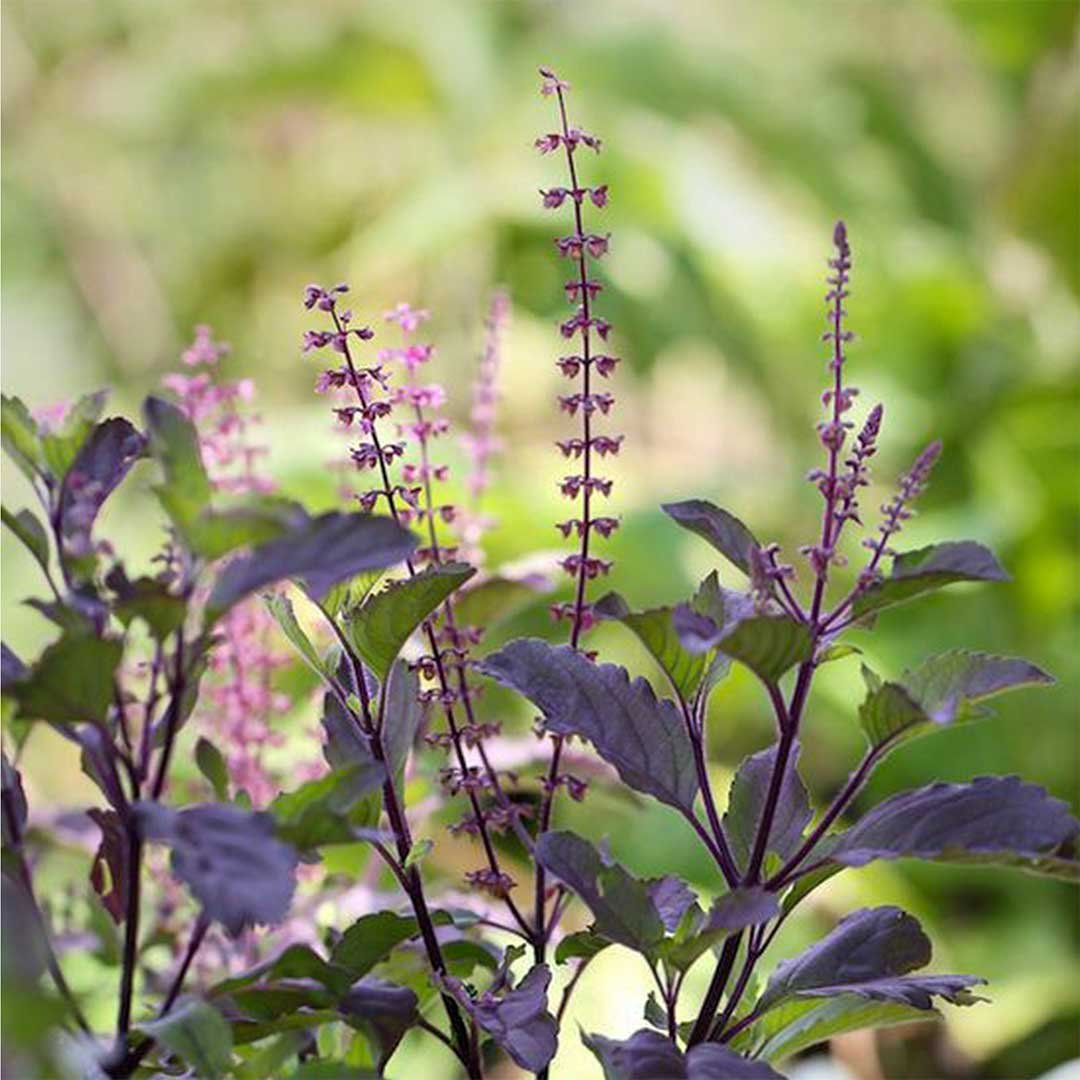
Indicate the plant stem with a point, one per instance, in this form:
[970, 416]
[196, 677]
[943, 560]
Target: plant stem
[716, 990]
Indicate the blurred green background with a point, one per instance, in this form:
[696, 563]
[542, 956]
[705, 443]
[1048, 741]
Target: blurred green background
[170, 163]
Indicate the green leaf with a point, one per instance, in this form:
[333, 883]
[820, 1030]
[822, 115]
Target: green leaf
[332, 809]
[418, 853]
[621, 905]
[732, 912]
[798, 1024]
[257, 520]
[929, 568]
[322, 551]
[381, 625]
[581, 945]
[402, 715]
[72, 681]
[654, 629]
[148, 599]
[720, 528]
[768, 644]
[212, 765]
[19, 434]
[370, 939]
[61, 447]
[295, 962]
[174, 444]
[195, 1031]
[281, 608]
[943, 690]
[29, 530]
[496, 598]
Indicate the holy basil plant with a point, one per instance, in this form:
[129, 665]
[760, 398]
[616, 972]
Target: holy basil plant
[264, 911]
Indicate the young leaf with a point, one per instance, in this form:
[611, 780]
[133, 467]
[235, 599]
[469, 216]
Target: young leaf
[998, 820]
[322, 551]
[723, 530]
[519, 1022]
[61, 446]
[102, 462]
[942, 690]
[929, 568]
[870, 954]
[72, 680]
[195, 1031]
[19, 434]
[228, 857]
[212, 765]
[654, 629]
[642, 737]
[581, 945]
[30, 532]
[768, 645]
[403, 714]
[420, 850]
[281, 608]
[15, 798]
[381, 625]
[734, 911]
[381, 1010]
[746, 803]
[621, 905]
[174, 444]
[108, 871]
[148, 599]
[672, 898]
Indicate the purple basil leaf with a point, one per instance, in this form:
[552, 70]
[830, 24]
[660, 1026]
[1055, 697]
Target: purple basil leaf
[519, 1022]
[100, 465]
[671, 897]
[12, 669]
[622, 906]
[993, 819]
[646, 1055]
[711, 1061]
[229, 858]
[734, 911]
[944, 689]
[723, 530]
[928, 568]
[14, 802]
[322, 552]
[746, 802]
[870, 953]
[643, 737]
[383, 1011]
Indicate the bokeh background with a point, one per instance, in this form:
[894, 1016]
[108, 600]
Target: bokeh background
[173, 163]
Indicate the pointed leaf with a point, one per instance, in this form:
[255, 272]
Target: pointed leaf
[732, 912]
[212, 765]
[324, 550]
[30, 532]
[642, 737]
[174, 444]
[654, 629]
[332, 809]
[281, 608]
[380, 626]
[402, 716]
[746, 804]
[19, 434]
[229, 858]
[870, 954]
[723, 530]
[991, 820]
[644, 1056]
[148, 599]
[72, 680]
[370, 939]
[108, 872]
[803, 1022]
[768, 645]
[671, 897]
[15, 798]
[195, 1031]
[712, 1061]
[940, 691]
[623, 909]
[61, 445]
[929, 568]
[96, 471]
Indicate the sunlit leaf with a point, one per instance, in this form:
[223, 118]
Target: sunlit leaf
[381, 625]
[720, 528]
[195, 1031]
[72, 680]
[30, 532]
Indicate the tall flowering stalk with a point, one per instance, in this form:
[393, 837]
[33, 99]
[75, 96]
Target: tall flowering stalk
[584, 403]
[480, 442]
[243, 700]
[412, 499]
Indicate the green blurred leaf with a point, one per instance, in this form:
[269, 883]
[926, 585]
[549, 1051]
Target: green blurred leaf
[196, 1032]
[72, 681]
